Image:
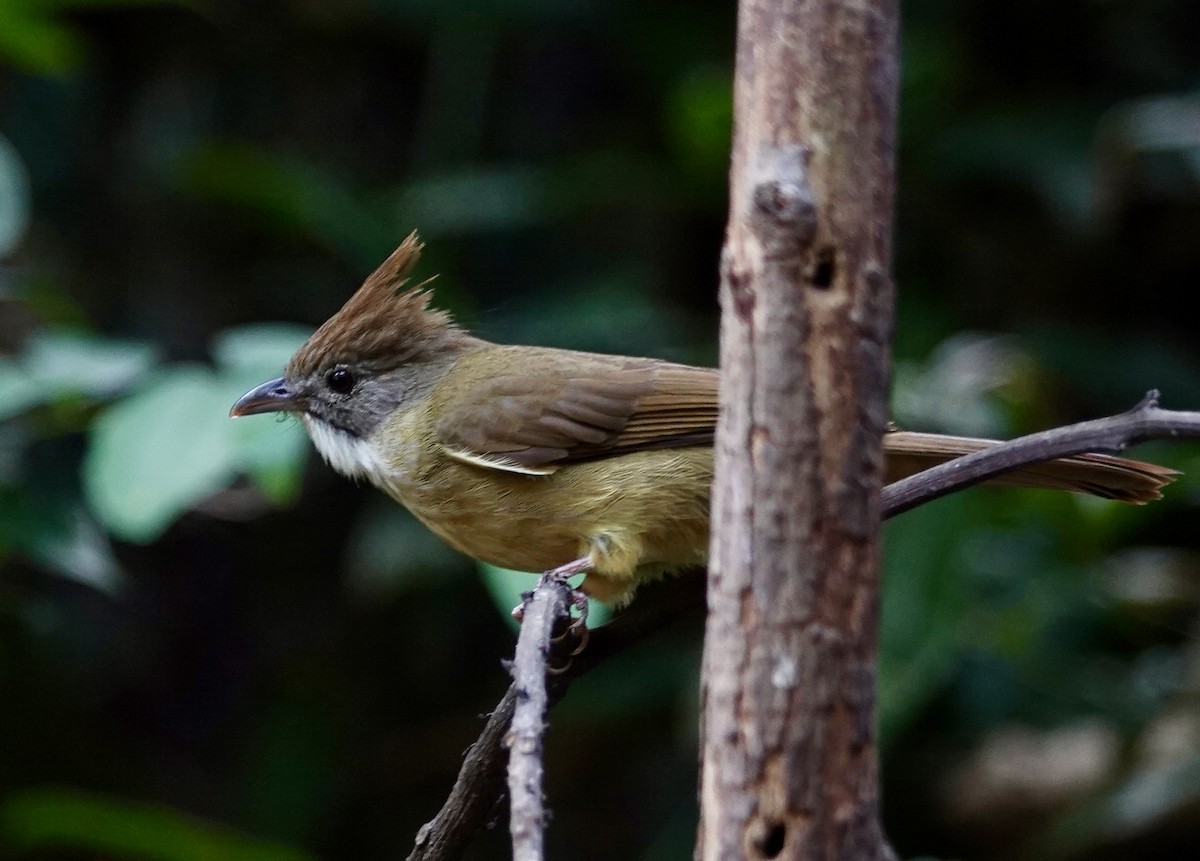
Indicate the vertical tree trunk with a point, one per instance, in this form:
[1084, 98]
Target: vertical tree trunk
[789, 765]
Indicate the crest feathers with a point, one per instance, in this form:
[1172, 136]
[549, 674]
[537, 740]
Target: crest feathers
[381, 324]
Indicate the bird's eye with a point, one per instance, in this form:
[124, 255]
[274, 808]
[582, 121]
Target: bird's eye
[340, 380]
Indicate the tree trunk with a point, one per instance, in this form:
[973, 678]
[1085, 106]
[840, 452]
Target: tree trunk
[789, 767]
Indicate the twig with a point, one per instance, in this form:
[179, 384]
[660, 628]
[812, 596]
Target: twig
[477, 790]
[527, 816]
[480, 783]
[1109, 435]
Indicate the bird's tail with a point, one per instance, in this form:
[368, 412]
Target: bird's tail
[1100, 475]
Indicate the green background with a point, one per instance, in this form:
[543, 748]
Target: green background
[213, 647]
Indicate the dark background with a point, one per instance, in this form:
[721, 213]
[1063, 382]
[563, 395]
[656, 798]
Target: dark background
[213, 647]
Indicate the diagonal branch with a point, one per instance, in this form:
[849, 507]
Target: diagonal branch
[1109, 435]
[480, 783]
[545, 608]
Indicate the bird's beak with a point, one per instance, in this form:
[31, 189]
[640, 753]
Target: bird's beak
[273, 396]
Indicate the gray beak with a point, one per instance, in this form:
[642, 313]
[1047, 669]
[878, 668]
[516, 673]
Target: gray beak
[272, 396]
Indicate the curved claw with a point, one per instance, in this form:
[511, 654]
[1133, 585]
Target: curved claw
[584, 635]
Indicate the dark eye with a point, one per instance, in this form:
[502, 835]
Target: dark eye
[340, 380]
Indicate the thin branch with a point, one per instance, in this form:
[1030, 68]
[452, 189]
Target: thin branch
[1109, 435]
[479, 787]
[546, 607]
[477, 790]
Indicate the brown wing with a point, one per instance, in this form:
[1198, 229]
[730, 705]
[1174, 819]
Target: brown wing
[533, 410]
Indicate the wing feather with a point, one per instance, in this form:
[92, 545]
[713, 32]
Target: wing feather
[567, 407]
[530, 411]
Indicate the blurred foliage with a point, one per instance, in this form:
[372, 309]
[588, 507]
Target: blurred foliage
[210, 646]
[36, 819]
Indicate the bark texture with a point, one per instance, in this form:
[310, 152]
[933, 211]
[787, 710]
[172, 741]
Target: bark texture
[789, 767]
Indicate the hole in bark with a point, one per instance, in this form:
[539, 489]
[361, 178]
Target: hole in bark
[771, 843]
[823, 268]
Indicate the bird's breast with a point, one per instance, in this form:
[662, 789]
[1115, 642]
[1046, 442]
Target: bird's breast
[657, 502]
[479, 515]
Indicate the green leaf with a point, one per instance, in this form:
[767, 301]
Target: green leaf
[159, 452]
[79, 552]
[262, 349]
[33, 42]
[18, 391]
[42, 821]
[65, 363]
[57, 365]
[271, 451]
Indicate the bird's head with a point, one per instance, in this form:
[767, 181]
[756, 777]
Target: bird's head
[382, 351]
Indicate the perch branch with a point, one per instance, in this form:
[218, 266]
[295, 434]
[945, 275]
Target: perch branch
[545, 609]
[1110, 435]
[480, 783]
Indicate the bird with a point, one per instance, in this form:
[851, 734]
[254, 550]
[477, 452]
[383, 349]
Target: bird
[553, 460]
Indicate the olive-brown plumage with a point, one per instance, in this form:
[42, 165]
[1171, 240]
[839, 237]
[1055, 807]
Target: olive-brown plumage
[535, 458]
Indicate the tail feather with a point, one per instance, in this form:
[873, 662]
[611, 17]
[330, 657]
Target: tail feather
[1102, 475]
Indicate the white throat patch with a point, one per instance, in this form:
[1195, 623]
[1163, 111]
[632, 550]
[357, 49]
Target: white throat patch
[351, 456]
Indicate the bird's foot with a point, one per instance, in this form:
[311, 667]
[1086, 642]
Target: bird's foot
[579, 601]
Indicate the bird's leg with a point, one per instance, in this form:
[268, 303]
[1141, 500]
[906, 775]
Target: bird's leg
[580, 566]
